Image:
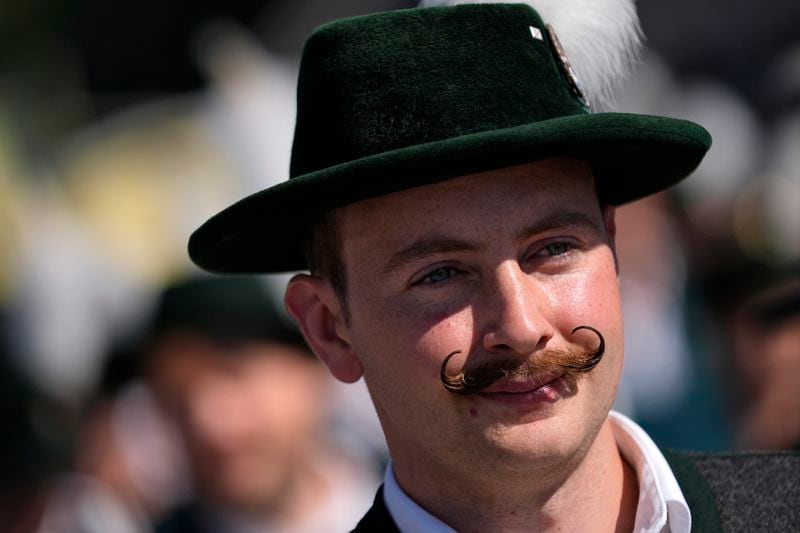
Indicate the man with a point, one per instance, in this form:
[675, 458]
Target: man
[455, 195]
[765, 333]
[249, 400]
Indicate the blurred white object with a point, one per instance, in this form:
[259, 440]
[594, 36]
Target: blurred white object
[65, 300]
[252, 102]
[650, 88]
[737, 136]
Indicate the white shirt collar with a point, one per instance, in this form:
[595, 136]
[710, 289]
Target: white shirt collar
[662, 507]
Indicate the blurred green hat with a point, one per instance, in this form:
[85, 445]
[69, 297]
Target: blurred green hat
[401, 99]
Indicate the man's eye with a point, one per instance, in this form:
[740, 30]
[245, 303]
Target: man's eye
[557, 248]
[554, 249]
[439, 275]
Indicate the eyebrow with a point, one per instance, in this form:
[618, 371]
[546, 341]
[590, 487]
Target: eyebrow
[426, 247]
[559, 220]
[436, 244]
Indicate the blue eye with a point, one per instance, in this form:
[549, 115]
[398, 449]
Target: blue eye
[555, 251]
[557, 248]
[439, 275]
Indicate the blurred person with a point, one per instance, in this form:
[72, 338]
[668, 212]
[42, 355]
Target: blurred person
[673, 369]
[65, 472]
[669, 373]
[766, 344]
[126, 453]
[118, 501]
[251, 109]
[250, 401]
[40, 490]
[452, 193]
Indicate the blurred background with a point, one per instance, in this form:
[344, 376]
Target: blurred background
[124, 126]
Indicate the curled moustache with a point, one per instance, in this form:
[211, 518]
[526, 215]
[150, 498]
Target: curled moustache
[568, 363]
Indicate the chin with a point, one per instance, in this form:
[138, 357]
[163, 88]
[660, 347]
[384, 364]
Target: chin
[540, 442]
[246, 484]
[543, 438]
[246, 494]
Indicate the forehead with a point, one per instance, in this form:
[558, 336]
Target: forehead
[471, 206]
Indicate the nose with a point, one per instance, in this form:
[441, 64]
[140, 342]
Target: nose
[515, 313]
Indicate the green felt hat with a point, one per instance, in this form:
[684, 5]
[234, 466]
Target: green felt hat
[401, 99]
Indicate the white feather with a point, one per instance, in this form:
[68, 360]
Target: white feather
[602, 40]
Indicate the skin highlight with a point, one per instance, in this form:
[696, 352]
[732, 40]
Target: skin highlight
[501, 264]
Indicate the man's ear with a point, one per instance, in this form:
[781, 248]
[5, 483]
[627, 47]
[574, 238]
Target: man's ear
[316, 308]
[609, 221]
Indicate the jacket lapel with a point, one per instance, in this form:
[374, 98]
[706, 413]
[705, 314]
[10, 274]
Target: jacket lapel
[697, 492]
[377, 518]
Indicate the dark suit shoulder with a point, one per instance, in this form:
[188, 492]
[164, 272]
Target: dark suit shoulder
[377, 519]
[183, 519]
[746, 491]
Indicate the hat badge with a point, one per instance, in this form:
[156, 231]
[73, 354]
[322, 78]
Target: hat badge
[566, 67]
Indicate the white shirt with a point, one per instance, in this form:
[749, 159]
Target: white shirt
[662, 507]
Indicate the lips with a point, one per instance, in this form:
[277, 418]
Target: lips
[518, 385]
[525, 395]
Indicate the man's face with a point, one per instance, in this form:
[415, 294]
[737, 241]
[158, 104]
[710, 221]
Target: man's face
[248, 413]
[499, 264]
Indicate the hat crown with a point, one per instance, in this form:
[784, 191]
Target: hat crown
[373, 84]
[405, 99]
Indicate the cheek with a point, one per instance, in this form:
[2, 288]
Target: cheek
[412, 345]
[589, 297]
[403, 321]
[454, 333]
[402, 362]
[444, 332]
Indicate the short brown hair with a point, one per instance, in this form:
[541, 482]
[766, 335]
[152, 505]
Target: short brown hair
[323, 251]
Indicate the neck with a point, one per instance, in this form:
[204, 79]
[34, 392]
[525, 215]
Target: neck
[595, 491]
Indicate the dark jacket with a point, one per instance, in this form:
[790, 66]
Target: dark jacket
[733, 493]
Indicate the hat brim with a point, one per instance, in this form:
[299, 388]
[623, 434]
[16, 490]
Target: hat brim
[631, 156]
